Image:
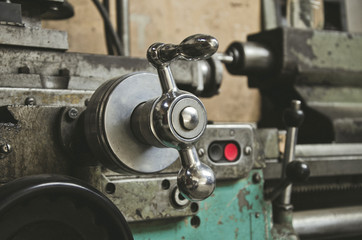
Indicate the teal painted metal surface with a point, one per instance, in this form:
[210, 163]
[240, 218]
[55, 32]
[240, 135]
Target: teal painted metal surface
[236, 210]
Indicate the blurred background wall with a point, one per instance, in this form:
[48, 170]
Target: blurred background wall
[170, 21]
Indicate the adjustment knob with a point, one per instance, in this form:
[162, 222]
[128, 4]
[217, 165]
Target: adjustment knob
[293, 116]
[297, 171]
[195, 47]
[177, 119]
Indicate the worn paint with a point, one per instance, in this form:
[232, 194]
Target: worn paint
[220, 216]
[242, 200]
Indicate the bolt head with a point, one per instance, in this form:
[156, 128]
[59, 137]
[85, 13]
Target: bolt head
[30, 101]
[247, 150]
[189, 118]
[256, 178]
[73, 113]
[201, 152]
[5, 148]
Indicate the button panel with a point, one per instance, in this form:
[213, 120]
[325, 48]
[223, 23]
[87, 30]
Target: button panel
[222, 148]
[224, 151]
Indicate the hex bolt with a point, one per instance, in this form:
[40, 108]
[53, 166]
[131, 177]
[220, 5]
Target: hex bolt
[247, 150]
[30, 101]
[256, 178]
[201, 152]
[257, 215]
[73, 113]
[5, 148]
[24, 70]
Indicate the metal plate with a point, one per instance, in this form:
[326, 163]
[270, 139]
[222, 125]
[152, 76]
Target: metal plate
[142, 199]
[108, 126]
[242, 134]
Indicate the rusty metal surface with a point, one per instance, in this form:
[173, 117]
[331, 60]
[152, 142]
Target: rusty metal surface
[312, 57]
[49, 97]
[323, 69]
[33, 37]
[77, 71]
[141, 199]
[34, 141]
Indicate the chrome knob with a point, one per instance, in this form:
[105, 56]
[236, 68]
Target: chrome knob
[189, 118]
[177, 119]
[195, 47]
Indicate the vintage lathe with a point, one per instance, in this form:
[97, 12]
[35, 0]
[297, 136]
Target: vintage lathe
[115, 147]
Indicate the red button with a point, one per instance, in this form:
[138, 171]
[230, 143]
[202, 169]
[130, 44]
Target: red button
[231, 152]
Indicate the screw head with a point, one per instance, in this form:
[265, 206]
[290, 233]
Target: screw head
[201, 152]
[30, 101]
[73, 113]
[256, 178]
[247, 150]
[5, 148]
[189, 118]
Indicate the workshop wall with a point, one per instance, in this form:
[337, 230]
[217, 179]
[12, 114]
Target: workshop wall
[170, 21]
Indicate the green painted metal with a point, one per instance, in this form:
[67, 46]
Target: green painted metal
[236, 210]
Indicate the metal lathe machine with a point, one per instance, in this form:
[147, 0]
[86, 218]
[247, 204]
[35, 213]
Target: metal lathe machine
[116, 147]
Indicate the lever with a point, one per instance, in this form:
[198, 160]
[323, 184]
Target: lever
[195, 47]
[296, 171]
[177, 119]
[293, 119]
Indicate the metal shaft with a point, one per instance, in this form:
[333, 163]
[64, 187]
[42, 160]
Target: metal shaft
[342, 222]
[289, 154]
[123, 25]
[166, 80]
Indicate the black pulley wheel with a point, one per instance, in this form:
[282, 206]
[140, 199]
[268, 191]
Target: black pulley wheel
[58, 208]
